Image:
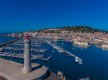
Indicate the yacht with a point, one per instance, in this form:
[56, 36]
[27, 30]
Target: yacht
[77, 59]
[61, 51]
[85, 78]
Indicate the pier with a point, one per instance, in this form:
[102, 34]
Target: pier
[9, 42]
[61, 50]
[28, 71]
[15, 49]
[12, 71]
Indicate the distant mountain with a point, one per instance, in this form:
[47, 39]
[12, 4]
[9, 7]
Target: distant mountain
[74, 29]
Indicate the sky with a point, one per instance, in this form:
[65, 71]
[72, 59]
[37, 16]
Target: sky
[24, 15]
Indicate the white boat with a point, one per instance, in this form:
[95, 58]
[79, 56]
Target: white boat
[84, 79]
[55, 47]
[77, 59]
[61, 51]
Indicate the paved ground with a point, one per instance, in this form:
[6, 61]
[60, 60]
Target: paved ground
[1, 78]
[13, 71]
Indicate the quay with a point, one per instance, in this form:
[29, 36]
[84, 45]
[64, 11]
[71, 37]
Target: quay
[12, 71]
[61, 50]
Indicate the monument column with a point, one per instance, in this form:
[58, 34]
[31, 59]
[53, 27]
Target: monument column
[27, 55]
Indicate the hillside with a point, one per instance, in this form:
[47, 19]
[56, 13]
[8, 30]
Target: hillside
[82, 29]
[74, 29]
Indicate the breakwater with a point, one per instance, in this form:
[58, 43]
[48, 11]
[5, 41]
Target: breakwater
[61, 50]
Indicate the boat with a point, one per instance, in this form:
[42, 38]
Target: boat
[55, 47]
[87, 78]
[47, 59]
[77, 59]
[61, 51]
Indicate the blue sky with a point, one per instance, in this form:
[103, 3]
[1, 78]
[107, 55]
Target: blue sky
[24, 15]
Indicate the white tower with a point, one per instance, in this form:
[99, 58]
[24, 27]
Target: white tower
[27, 55]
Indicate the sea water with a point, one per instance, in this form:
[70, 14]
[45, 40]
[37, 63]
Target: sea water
[95, 61]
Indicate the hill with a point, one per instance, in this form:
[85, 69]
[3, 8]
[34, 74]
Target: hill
[82, 29]
[74, 29]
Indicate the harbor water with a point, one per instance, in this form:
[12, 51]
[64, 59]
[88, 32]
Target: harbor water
[5, 39]
[95, 61]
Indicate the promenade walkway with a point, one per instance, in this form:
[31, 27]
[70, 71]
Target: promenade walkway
[13, 71]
